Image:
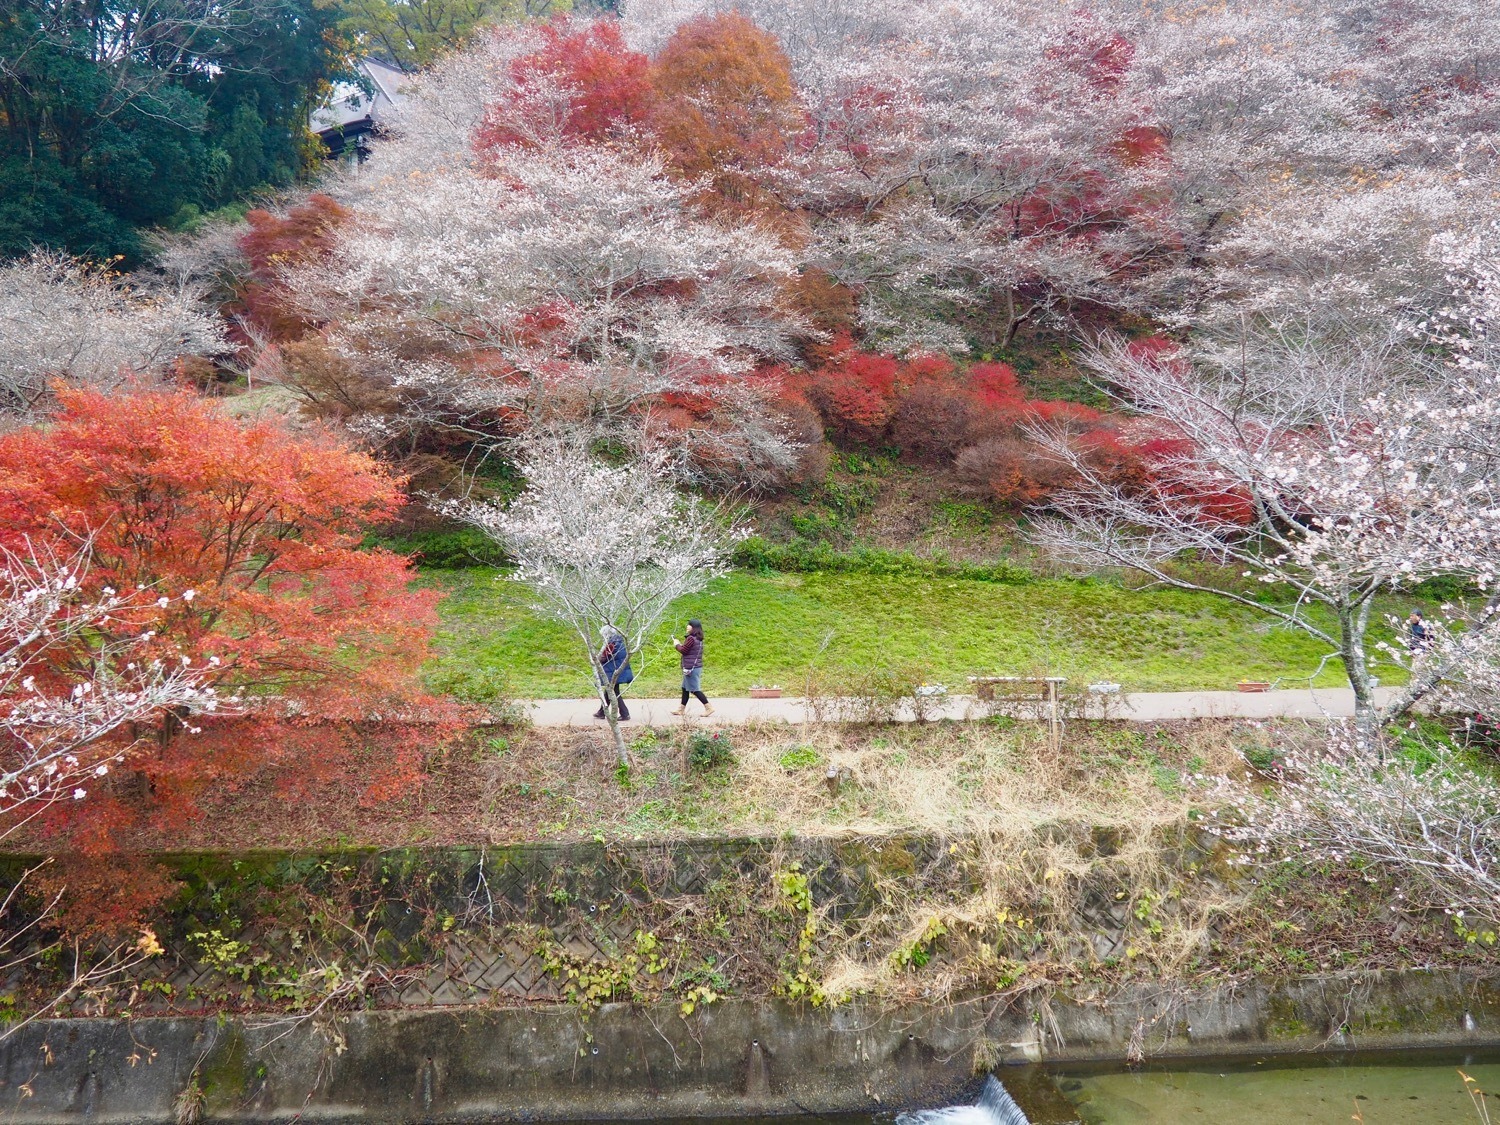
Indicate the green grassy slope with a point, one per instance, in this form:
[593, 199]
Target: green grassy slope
[768, 629]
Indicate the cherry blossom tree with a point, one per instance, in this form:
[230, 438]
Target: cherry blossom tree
[1433, 823]
[566, 288]
[1162, 162]
[980, 173]
[73, 683]
[605, 546]
[62, 320]
[433, 128]
[1327, 474]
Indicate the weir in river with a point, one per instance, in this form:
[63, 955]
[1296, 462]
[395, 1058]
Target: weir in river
[994, 1107]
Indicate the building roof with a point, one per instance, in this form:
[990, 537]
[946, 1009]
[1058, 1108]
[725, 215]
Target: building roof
[349, 105]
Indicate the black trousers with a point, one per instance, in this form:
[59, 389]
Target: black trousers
[619, 702]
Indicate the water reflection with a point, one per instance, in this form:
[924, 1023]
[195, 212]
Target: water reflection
[1377, 1088]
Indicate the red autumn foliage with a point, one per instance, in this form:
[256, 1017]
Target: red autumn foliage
[101, 897]
[264, 527]
[1157, 452]
[924, 405]
[726, 105]
[1096, 54]
[274, 244]
[1153, 349]
[854, 390]
[582, 84]
[1014, 473]
[994, 388]
[1010, 473]
[972, 418]
[261, 524]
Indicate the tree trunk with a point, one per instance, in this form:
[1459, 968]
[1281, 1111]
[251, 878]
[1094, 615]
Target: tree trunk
[612, 713]
[1354, 620]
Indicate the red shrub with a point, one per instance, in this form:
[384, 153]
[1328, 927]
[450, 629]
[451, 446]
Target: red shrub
[996, 389]
[1072, 417]
[1152, 349]
[855, 391]
[1108, 454]
[108, 897]
[1156, 455]
[1010, 472]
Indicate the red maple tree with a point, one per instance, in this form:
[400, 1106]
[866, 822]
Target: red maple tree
[263, 526]
[255, 531]
[582, 84]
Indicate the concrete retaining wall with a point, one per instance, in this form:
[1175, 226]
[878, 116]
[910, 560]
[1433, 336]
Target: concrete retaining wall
[733, 1057]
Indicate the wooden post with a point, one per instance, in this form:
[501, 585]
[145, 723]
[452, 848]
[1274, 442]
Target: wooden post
[1054, 719]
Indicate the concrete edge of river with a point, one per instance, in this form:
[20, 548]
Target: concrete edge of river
[735, 1057]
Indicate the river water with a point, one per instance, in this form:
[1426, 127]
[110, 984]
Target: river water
[1377, 1088]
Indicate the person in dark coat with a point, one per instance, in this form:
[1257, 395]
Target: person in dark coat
[691, 647]
[614, 669]
[1421, 635]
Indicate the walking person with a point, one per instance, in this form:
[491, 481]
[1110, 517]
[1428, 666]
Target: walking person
[614, 670]
[691, 647]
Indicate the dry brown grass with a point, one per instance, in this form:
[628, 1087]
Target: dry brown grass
[958, 778]
[1038, 845]
[1079, 867]
[1024, 824]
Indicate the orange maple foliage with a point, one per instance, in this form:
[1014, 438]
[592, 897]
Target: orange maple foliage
[262, 525]
[726, 106]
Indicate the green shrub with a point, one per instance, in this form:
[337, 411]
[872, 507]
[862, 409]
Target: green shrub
[709, 749]
[449, 549]
[799, 758]
[806, 556]
[962, 516]
[1261, 757]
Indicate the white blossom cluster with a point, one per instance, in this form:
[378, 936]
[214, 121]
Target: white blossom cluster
[565, 287]
[1289, 463]
[1431, 821]
[1310, 153]
[61, 320]
[51, 731]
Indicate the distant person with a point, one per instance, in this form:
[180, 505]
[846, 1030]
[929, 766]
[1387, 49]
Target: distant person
[1421, 635]
[691, 647]
[614, 669]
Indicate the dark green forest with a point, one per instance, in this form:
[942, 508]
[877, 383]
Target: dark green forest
[117, 116]
[123, 114]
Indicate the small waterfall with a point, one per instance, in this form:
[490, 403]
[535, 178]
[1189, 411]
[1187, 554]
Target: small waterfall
[995, 1107]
